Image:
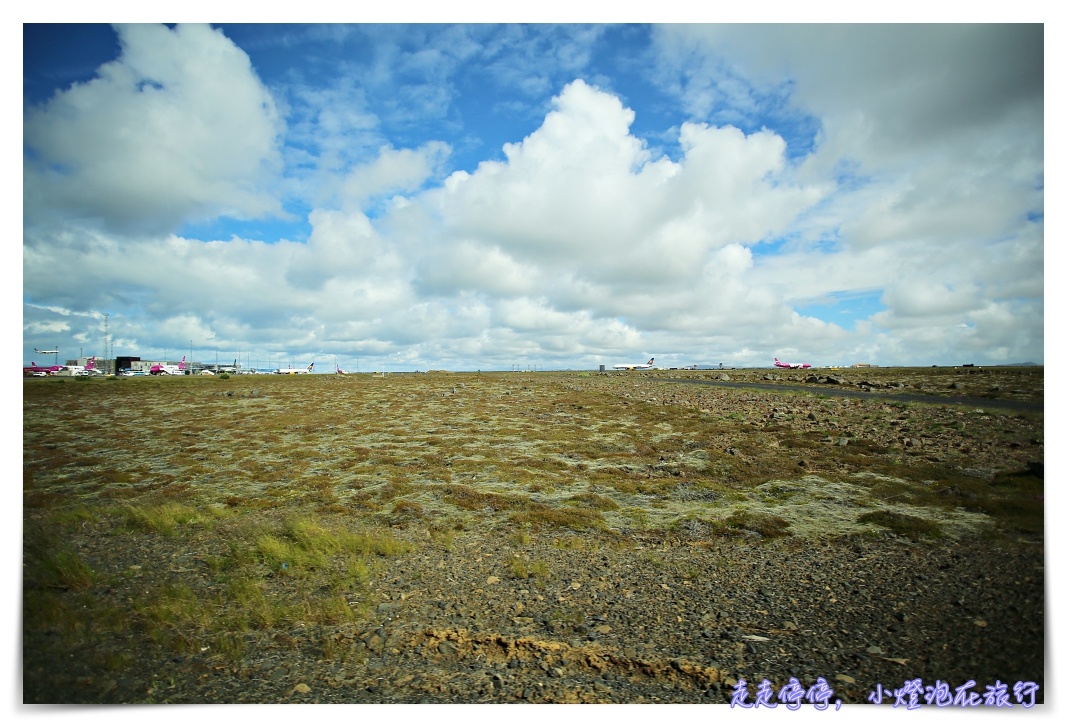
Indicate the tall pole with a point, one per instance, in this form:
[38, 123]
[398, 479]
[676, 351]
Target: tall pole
[107, 364]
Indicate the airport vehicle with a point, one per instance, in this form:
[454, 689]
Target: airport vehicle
[168, 369]
[296, 371]
[787, 365]
[632, 367]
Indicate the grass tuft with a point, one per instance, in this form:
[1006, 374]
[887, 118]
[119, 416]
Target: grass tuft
[64, 569]
[165, 518]
[741, 522]
[520, 568]
[575, 519]
[902, 524]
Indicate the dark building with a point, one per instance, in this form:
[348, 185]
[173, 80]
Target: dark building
[125, 362]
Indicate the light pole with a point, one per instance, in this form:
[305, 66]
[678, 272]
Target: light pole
[107, 364]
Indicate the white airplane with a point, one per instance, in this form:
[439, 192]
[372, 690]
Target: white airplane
[296, 371]
[46, 351]
[632, 367]
[80, 371]
[168, 369]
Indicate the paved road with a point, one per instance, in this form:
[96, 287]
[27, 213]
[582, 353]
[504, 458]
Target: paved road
[897, 395]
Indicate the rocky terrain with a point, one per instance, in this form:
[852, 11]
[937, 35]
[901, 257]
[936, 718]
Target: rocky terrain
[532, 538]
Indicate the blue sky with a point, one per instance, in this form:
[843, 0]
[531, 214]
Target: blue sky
[560, 196]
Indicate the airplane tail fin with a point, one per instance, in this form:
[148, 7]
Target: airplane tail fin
[650, 361]
[310, 367]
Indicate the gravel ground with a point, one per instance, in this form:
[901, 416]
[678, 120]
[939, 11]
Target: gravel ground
[648, 616]
[640, 623]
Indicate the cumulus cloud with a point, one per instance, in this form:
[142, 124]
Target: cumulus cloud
[580, 240]
[932, 138]
[582, 196]
[177, 129]
[393, 171]
[346, 260]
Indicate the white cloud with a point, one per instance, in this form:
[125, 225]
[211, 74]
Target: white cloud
[342, 245]
[393, 171]
[583, 195]
[471, 266]
[580, 242]
[925, 299]
[177, 129]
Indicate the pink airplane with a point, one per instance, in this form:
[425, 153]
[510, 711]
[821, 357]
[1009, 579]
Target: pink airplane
[36, 371]
[787, 365]
[165, 369]
[80, 371]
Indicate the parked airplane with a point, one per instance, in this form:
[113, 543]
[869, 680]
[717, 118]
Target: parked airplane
[787, 365]
[632, 367]
[171, 369]
[35, 371]
[77, 370]
[296, 371]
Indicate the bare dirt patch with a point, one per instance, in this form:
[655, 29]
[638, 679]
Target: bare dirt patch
[517, 537]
